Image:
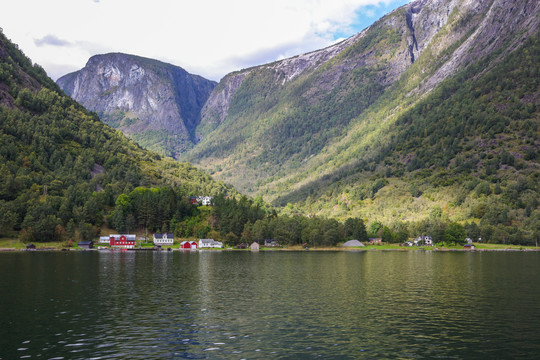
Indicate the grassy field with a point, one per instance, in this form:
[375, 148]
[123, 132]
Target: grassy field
[7, 243]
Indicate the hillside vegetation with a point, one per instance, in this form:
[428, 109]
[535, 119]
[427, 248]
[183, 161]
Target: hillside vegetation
[61, 168]
[467, 152]
[428, 117]
[65, 176]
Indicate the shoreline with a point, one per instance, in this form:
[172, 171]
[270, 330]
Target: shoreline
[325, 249]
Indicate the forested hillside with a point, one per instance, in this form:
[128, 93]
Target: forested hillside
[62, 169]
[428, 117]
[64, 175]
[468, 152]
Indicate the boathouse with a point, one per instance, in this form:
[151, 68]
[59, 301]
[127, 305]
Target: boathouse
[188, 245]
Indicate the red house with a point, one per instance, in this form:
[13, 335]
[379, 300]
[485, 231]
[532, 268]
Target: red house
[186, 245]
[123, 241]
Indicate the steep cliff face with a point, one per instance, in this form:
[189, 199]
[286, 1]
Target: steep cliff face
[157, 104]
[390, 46]
[271, 128]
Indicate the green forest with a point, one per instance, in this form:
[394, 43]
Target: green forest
[61, 168]
[469, 149]
[459, 163]
[65, 175]
[467, 152]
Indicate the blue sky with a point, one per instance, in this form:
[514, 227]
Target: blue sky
[210, 38]
[366, 15]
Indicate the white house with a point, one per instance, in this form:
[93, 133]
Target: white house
[205, 200]
[104, 240]
[164, 239]
[423, 240]
[209, 243]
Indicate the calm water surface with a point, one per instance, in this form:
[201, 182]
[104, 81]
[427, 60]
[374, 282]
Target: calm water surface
[269, 305]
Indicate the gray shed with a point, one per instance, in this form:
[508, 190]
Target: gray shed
[353, 243]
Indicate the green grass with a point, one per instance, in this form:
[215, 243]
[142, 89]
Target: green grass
[12, 243]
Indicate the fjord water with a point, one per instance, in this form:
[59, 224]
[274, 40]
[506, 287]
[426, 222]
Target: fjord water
[269, 305]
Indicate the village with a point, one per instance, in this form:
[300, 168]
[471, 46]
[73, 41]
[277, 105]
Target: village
[162, 242]
[166, 241]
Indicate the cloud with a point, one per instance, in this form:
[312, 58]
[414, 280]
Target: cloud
[210, 38]
[51, 40]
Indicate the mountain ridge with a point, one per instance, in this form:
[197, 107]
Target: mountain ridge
[413, 119]
[337, 140]
[156, 103]
[62, 169]
[465, 20]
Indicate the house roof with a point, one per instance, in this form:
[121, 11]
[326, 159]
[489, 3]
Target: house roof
[161, 236]
[85, 243]
[128, 236]
[353, 243]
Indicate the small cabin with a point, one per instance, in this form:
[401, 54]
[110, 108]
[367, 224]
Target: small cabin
[271, 243]
[375, 241]
[423, 240]
[86, 245]
[242, 246]
[254, 247]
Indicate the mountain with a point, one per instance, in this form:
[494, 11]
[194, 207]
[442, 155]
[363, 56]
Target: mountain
[156, 104]
[62, 168]
[431, 112]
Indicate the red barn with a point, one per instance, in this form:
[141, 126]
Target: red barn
[188, 245]
[123, 241]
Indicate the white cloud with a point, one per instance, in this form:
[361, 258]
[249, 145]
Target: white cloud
[51, 40]
[208, 37]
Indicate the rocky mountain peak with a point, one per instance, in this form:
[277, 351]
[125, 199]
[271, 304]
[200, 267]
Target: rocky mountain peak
[157, 104]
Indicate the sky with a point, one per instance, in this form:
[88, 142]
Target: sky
[210, 38]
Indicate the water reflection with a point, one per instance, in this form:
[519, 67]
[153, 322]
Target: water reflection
[233, 305]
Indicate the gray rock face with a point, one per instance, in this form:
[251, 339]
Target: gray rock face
[416, 24]
[263, 122]
[157, 104]
[419, 24]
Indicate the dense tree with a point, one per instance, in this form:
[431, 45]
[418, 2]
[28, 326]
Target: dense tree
[455, 233]
[355, 229]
